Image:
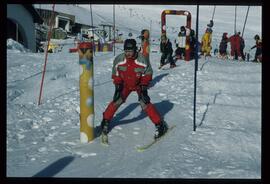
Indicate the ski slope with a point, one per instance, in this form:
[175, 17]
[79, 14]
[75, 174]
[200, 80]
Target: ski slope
[43, 141]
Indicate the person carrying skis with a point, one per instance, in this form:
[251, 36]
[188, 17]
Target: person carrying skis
[131, 71]
[167, 51]
[223, 46]
[258, 46]
[235, 47]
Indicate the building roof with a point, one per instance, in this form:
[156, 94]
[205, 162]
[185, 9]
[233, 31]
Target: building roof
[34, 13]
[82, 15]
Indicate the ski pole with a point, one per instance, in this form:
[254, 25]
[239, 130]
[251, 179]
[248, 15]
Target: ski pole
[46, 55]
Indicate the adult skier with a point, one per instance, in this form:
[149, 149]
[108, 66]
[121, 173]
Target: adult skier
[235, 41]
[131, 71]
[223, 46]
[167, 51]
[258, 46]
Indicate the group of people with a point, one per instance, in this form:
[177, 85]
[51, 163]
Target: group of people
[236, 41]
[181, 46]
[237, 47]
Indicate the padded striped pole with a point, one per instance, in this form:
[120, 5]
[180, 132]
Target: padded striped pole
[85, 51]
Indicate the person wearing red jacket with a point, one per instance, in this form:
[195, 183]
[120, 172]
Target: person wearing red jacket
[132, 71]
[235, 41]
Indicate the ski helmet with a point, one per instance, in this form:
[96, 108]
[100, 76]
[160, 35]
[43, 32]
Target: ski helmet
[130, 44]
[256, 37]
[209, 30]
[182, 28]
[163, 37]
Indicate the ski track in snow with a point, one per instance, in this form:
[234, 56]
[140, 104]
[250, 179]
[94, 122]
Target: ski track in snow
[226, 144]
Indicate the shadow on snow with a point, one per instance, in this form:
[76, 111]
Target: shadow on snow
[163, 108]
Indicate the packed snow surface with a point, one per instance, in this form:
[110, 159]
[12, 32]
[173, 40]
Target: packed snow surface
[44, 140]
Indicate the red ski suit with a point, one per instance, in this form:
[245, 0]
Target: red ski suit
[235, 41]
[132, 73]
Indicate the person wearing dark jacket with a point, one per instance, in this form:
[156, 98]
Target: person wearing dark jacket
[242, 46]
[223, 46]
[167, 51]
[258, 46]
[192, 44]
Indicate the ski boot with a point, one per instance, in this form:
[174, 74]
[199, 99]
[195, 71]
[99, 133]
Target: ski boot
[161, 65]
[104, 131]
[172, 65]
[161, 129]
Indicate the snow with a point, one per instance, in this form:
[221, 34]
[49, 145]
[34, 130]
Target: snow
[45, 140]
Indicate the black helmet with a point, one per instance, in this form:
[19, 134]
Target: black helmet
[182, 28]
[130, 44]
[256, 37]
[163, 37]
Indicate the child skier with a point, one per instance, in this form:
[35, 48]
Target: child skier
[207, 39]
[167, 51]
[223, 46]
[206, 42]
[145, 48]
[181, 45]
[131, 71]
[242, 46]
[258, 54]
[192, 44]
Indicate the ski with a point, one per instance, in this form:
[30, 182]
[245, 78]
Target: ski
[146, 146]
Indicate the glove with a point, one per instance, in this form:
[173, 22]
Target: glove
[117, 93]
[144, 95]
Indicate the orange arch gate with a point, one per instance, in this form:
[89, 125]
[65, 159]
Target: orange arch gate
[188, 25]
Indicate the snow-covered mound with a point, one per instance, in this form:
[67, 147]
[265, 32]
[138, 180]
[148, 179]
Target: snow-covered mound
[15, 46]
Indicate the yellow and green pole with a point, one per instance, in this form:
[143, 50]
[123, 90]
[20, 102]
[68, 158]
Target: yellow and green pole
[85, 50]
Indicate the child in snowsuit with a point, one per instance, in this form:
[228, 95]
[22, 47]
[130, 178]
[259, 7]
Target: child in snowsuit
[131, 71]
[223, 46]
[167, 51]
[242, 46]
[258, 46]
[206, 42]
[235, 47]
[192, 44]
[145, 48]
[181, 45]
